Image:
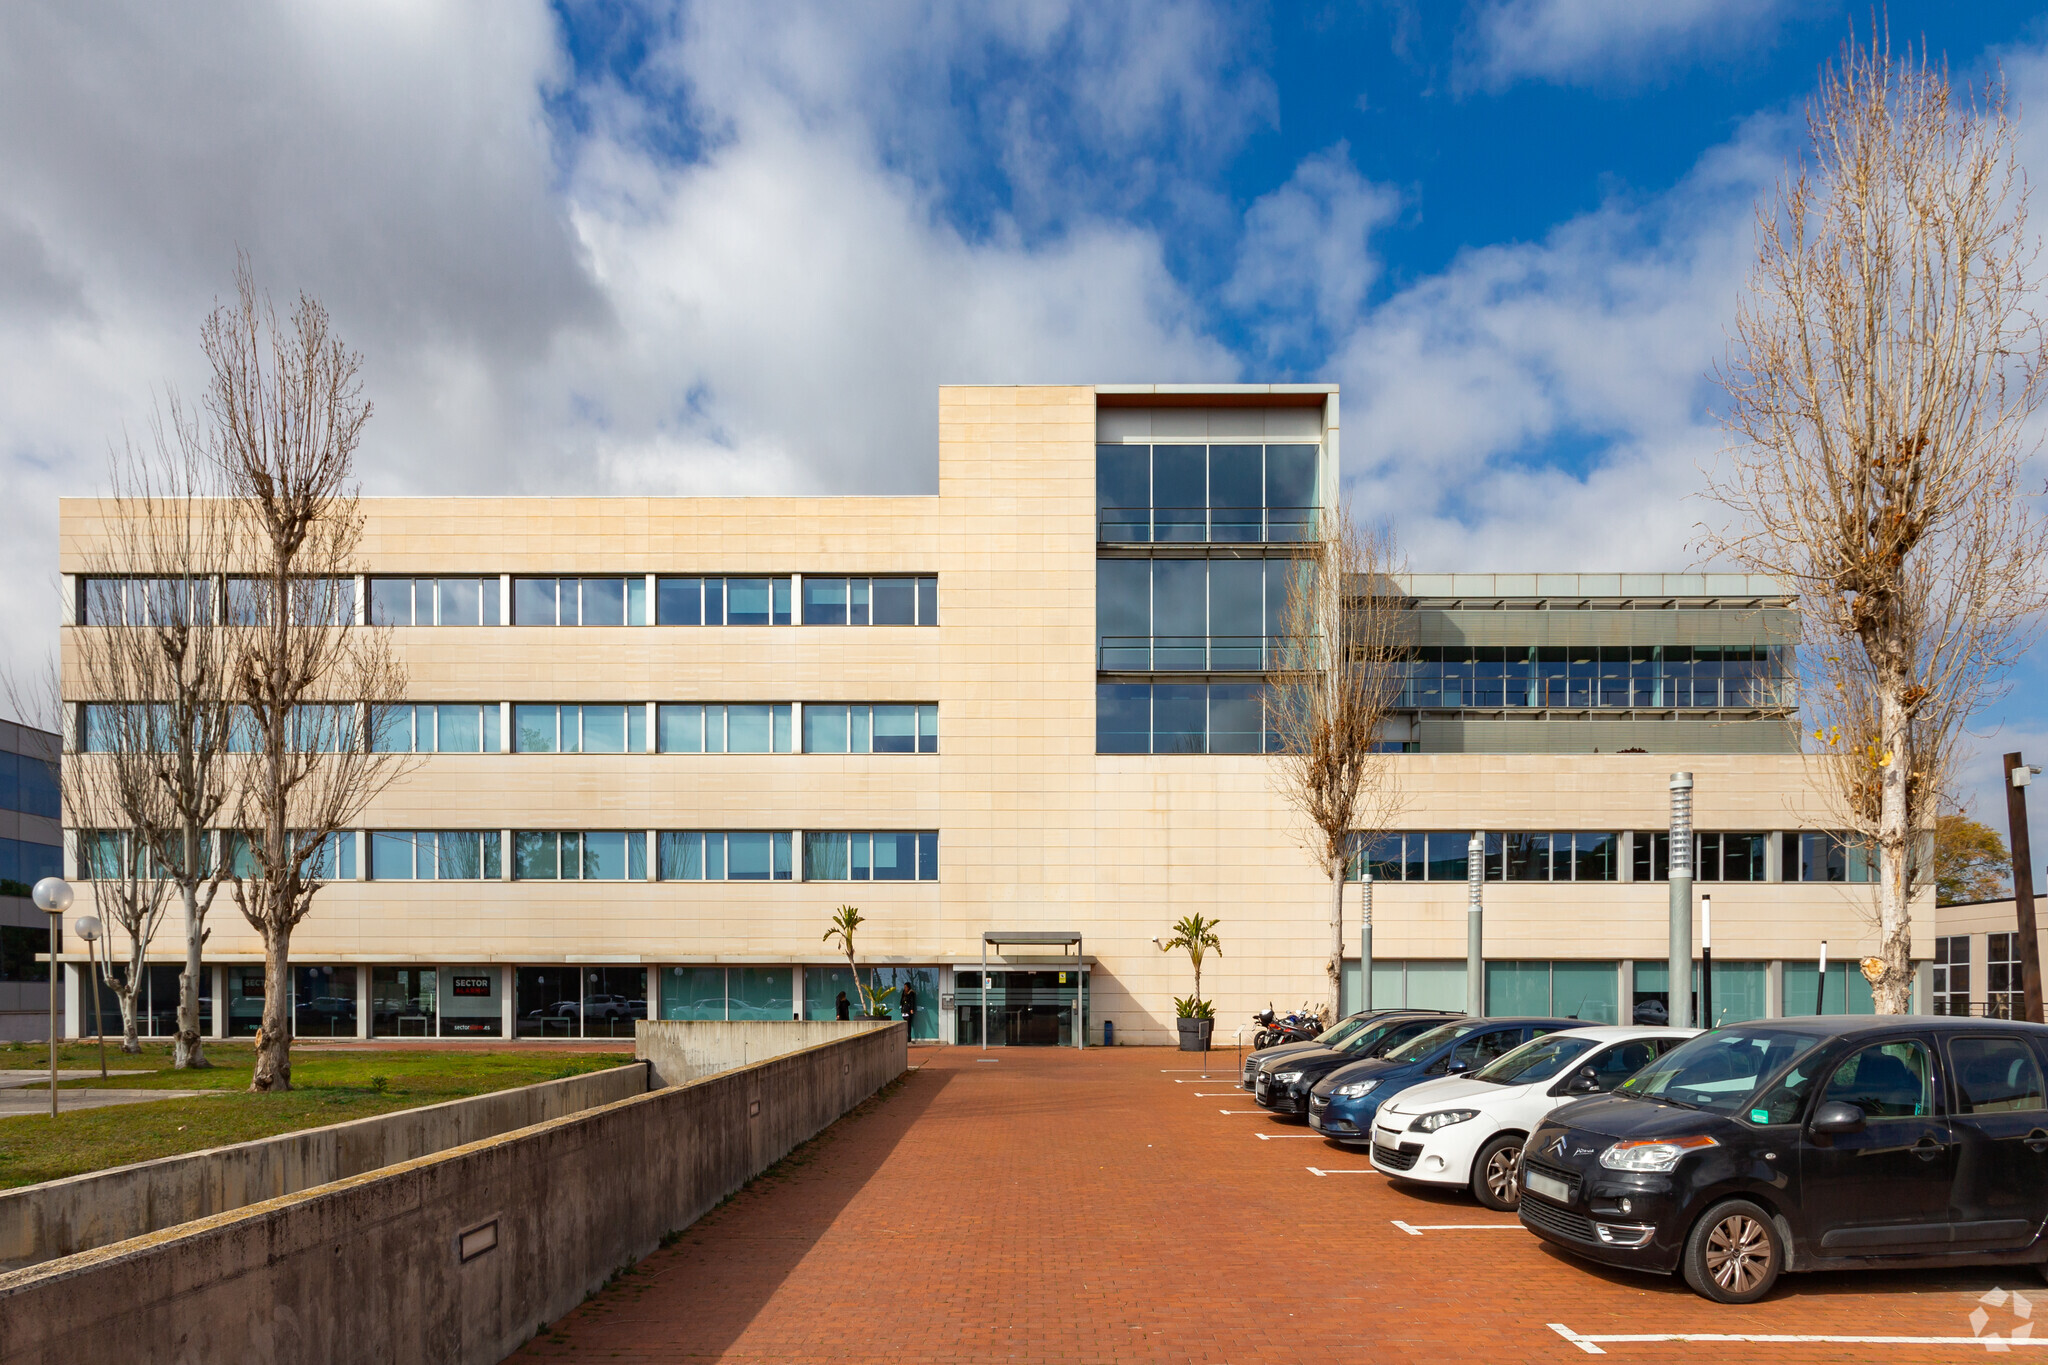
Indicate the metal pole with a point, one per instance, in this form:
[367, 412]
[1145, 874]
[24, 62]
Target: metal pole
[1080, 998]
[1365, 938]
[984, 995]
[1475, 927]
[56, 933]
[1679, 993]
[2017, 776]
[98, 1028]
[1820, 982]
[1706, 961]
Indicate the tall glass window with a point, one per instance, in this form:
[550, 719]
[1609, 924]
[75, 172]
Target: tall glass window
[1222, 494]
[1952, 974]
[1188, 615]
[1181, 718]
[2004, 992]
[620, 601]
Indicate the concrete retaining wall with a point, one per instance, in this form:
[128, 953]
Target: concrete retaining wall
[60, 1217]
[681, 1050]
[456, 1257]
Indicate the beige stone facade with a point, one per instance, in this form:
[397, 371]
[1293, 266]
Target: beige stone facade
[1036, 829]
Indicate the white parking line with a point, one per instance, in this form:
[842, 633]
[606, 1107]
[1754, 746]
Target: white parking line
[1240, 1111]
[1417, 1229]
[1592, 1344]
[1317, 1170]
[1218, 1095]
[1207, 1080]
[1282, 1137]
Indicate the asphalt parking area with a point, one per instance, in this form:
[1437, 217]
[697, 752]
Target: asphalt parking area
[1039, 1205]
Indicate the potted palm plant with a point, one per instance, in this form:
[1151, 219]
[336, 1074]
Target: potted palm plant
[1194, 1017]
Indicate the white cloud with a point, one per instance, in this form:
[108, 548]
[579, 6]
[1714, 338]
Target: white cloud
[1305, 263]
[1586, 42]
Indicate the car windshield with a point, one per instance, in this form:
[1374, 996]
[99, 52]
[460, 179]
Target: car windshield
[1719, 1071]
[1534, 1061]
[1432, 1040]
[1380, 1035]
[1339, 1032]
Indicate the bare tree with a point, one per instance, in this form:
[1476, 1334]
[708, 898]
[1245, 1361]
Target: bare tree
[286, 402]
[152, 637]
[1885, 365]
[1335, 677]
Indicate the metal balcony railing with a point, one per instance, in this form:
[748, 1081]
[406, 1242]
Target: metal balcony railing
[1206, 525]
[1186, 653]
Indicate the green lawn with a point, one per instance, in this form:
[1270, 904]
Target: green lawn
[327, 1087]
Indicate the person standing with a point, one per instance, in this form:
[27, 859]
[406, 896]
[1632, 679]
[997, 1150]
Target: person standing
[845, 1010]
[910, 1011]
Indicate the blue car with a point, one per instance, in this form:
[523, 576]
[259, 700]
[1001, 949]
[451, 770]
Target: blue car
[1342, 1104]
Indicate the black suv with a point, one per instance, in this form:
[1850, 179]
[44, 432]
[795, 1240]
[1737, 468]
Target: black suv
[1805, 1144]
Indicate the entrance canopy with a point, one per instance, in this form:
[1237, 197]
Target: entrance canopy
[1043, 938]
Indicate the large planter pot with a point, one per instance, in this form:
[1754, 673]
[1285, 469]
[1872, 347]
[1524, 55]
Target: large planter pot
[1194, 1034]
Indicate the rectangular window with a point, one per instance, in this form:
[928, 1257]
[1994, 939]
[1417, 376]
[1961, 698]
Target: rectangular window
[741, 728]
[883, 856]
[186, 600]
[609, 601]
[436, 728]
[724, 855]
[434, 601]
[1952, 974]
[1818, 856]
[878, 728]
[723, 601]
[2004, 993]
[903, 600]
[579, 855]
[308, 601]
[434, 855]
[589, 728]
[1181, 718]
[1235, 493]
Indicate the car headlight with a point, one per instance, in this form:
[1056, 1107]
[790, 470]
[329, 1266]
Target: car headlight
[1652, 1154]
[1286, 1077]
[1355, 1089]
[1442, 1118]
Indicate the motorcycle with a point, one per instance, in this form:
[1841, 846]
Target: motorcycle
[1299, 1026]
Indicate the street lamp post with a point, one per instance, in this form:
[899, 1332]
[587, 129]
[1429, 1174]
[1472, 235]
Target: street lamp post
[1679, 1010]
[52, 896]
[88, 929]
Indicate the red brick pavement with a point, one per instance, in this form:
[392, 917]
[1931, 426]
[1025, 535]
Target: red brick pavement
[1060, 1206]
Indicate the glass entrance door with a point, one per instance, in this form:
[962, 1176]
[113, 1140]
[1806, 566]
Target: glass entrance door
[1025, 1009]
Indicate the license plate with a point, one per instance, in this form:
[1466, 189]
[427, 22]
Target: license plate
[1549, 1186]
[1315, 1120]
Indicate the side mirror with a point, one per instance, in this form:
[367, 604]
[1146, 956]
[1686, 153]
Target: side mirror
[1455, 1065]
[1837, 1116]
[1585, 1083]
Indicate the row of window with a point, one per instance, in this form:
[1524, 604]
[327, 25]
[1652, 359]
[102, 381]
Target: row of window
[1597, 676]
[106, 853]
[2004, 990]
[466, 600]
[1182, 718]
[1190, 615]
[1594, 856]
[23, 864]
[204, 600]
[28, 784]
[572, 728]
[581, 855]
[1212, 493]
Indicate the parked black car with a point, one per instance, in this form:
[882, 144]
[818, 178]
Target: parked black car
[1805, 1144]
[1332, 1036]
[1282, 1084]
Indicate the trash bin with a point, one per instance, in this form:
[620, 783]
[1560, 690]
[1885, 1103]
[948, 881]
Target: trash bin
[1109, 1033]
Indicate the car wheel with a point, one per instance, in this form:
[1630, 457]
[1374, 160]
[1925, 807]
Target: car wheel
[1733, 1254]
[1497, 1174]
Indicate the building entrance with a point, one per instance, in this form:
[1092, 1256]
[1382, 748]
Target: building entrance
[1025, 1008]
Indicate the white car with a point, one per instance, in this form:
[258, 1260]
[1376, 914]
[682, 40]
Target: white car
[1468, 1130]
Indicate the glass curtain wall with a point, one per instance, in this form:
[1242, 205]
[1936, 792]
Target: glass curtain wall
[326, 1002]
[1025, 1008]
[245, 1001]
[1237, 493]
[1576, 990]
[1188, 615]
[404, 1001]
[472, 1000]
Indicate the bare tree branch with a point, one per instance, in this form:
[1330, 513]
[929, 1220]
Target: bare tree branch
[1886, 364]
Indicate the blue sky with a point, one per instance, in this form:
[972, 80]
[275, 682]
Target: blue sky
[734, 247]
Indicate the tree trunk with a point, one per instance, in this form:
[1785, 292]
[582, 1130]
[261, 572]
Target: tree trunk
[131, 1034]
[1894, 987]
[1335, 968]
[188, 1049]
[274, 1038]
